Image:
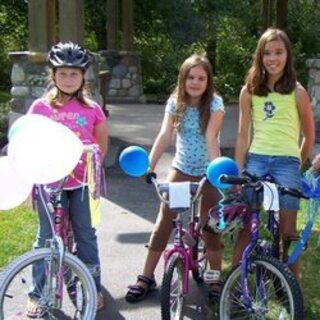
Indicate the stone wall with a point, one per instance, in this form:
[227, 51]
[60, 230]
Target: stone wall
[314, 91]
[29, 79]
[126, 81]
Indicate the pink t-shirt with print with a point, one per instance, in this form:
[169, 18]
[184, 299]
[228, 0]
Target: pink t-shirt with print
[81, 120]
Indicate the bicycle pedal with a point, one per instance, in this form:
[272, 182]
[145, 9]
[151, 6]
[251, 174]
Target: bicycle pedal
[211, 276]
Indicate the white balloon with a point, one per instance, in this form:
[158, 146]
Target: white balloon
[13, 189]
[24, 121]
[44, 151]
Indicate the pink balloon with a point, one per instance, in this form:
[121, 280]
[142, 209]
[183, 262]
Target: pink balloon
[13, 189]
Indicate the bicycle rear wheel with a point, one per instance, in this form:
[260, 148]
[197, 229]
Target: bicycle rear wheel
[16, 282]
[171, 289]
[273, 290]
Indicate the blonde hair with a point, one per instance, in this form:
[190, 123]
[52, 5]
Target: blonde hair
[181, 95]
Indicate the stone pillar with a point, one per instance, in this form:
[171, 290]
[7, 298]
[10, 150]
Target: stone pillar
[41, 23]
[71, 21]
[126, 81]
[28, 78]
[124, 64]
[314, 91]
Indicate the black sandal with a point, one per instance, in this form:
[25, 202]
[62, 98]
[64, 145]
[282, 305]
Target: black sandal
[137, 293]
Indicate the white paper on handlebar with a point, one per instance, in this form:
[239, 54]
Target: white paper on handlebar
[179, 195]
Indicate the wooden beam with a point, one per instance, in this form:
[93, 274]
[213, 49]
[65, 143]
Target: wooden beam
[41, 24]
[71, 21]
[127, 24]
[112, 24]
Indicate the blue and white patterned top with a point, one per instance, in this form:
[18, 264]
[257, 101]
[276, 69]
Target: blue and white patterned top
[192, 155]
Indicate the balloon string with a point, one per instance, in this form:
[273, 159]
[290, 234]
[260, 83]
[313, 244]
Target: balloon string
[222, 224]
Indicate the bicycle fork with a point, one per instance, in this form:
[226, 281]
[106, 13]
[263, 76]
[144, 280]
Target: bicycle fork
[245, 267]
[178, 248]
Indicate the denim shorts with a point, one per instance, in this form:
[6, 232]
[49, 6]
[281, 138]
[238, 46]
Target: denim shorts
[284, 170]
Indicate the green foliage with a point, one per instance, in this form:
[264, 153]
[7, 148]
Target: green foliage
[13, 34]
[233, 55]
[4, 109]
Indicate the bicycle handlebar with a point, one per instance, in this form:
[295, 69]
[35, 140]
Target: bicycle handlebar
[163, 187]
[253, 181]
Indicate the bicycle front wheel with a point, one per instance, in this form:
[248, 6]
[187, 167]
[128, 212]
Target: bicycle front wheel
[171, 289]
[274, 292]
[77, 299]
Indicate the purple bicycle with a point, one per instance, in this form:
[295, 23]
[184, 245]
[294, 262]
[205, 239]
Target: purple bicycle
[261, 286]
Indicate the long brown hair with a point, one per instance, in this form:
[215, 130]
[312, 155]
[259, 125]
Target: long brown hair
[52, 96]
[256, 79]
[181, 96]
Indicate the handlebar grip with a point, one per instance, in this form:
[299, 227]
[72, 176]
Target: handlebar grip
[253, 177]
[150, 176]
[233, 179]
[293, 192]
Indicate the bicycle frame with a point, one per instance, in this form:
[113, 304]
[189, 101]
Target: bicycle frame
[257, 244]
[61, 229]
[180, 246]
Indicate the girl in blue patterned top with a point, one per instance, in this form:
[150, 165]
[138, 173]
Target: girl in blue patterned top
[195, 112]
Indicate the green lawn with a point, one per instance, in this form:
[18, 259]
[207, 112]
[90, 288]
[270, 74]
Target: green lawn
[17, 232]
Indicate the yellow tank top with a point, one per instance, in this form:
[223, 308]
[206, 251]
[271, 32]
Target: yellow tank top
[276, 125]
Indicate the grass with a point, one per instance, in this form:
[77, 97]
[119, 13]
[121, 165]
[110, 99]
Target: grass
[17, 232]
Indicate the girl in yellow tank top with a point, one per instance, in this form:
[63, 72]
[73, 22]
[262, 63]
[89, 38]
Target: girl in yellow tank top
[274, 109]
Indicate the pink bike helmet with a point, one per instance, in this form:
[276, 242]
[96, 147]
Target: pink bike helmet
[235, 214]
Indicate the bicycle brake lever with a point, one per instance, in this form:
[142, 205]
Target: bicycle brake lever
[150, 176]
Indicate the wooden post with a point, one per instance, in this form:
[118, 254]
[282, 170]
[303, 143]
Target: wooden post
[282, 14]
[111, 24]
[41, 20]
[71, 21]
[127, 24]
[267, 8]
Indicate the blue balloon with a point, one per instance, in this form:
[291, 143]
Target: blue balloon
[220, 166]
[134, 161]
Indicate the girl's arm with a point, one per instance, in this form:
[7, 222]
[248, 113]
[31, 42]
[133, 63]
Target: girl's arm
[101, 134]
[244, 127]
[162, 141]
[212, 132]
[307, 122]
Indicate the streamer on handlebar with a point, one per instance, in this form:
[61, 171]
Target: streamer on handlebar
[218, 167]
[311, 189]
